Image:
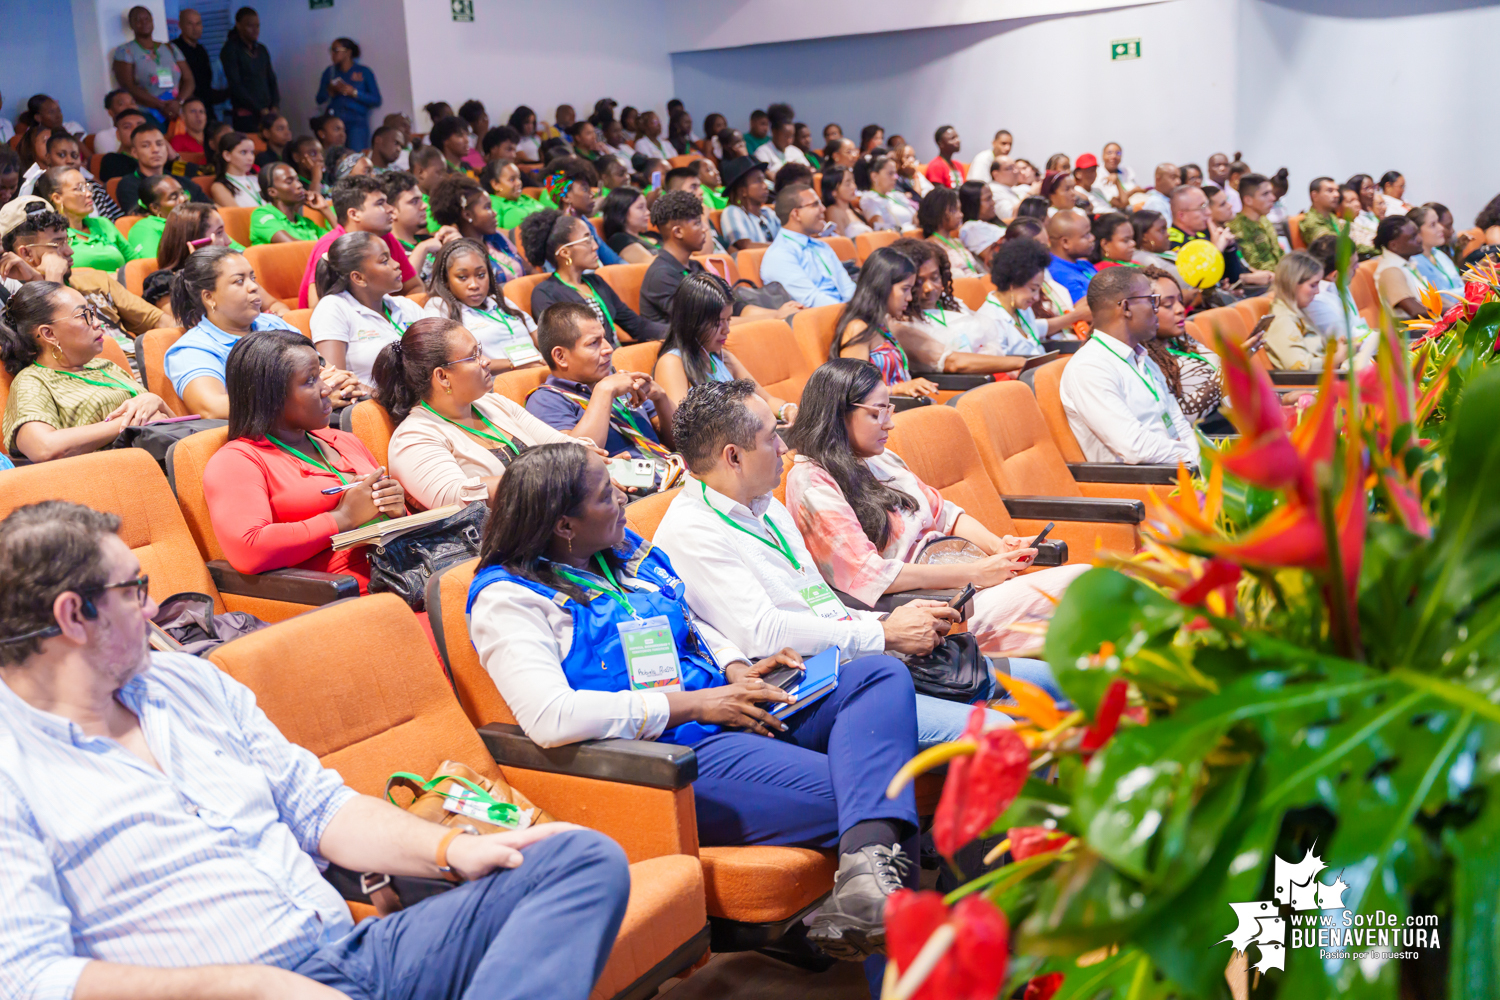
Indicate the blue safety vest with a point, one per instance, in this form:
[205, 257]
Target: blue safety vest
[596, 659]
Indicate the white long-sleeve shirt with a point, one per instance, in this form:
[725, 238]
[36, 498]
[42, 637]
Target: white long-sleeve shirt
[1115, 399]
[746, 591]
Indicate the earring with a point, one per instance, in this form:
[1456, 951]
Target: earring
[58, 355]
[570, 545]
[448, 388]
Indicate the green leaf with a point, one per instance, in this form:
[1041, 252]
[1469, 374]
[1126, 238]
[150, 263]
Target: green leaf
[1039, 804]
[1474, 948]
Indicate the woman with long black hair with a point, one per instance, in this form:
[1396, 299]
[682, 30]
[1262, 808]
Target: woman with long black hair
[865, 327]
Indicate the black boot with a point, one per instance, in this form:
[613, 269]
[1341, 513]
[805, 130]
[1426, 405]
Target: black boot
[850, 925]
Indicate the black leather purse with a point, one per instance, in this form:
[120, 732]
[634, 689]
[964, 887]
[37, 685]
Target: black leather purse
[403, 565]
[953, 671]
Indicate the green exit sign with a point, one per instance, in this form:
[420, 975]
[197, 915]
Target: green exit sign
[1125, 48]
[463, 10]
[319, 4]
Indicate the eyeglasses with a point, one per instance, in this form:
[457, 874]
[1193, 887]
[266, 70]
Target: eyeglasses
[574, 243]
[87, 313]
[1153, 298]
[478, 355]
[142, 585]
[48, 244]
[883, 411]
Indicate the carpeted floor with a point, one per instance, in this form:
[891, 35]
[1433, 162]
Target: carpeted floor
[747, 975]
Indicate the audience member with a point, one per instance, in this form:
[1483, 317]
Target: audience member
[982, 239]
[507, 193]
[188, 42]
[881, 203]
[939, 333]
[1191, 374]
[943, 169]
[349, 90]
[865, 326]
[119, 162]
[1060, 192]
[1331, 312]
[154, 73]
[280, 219]
[804, 265]
[152, 158]
[1166, 180]
[465, 287]
[941, 219]
[866, 518]
[96, 242]
[1433, 265]
[159, 197]
[454, 437]
[1392, 190]
[189, 228]
[1003, 182]
[748, 222]
[386, 150]
[1017, 271]
[1322, 217]
[573, 185]
[264, 488]
[1396, 279]
[1192, 174]
[793, 173]
[1000, 146]
[1254, 232]
[193, 139]
[306, 154]
[626, 412]
[648, 137]
[253, 91]
[275, 134]
[1072, 242]
[567, 244]
[64, 399]
[1293, 341]
[977, 202]
[1114, 241]
[460, 204]
[780, 150]
[1085, 174]
[841, 202]
[626, 217]
[1116, 182]
[694, 352]
[10, 173]
[1237, 171]
[234, 181]
[239, 901]
[802, 139]
[360, 205]
[1117, 400]
[359, 309]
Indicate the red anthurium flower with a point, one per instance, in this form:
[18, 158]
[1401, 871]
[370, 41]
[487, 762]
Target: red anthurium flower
[979, 787]
[1043, 987]
[1218, 575]
[1475, 294]
[973, 964]
[1029, 841]
[1289, 536]
[1107, 719]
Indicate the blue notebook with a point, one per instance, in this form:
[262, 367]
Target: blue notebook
[820, 677]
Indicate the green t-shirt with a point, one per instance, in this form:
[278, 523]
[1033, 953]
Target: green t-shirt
[510, 213]
[432, 224]
[145, 236]
[752, 143]
[268, 220]
[714, 198]
[102, 247]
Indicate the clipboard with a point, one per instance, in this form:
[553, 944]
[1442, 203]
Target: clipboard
[1038, 360]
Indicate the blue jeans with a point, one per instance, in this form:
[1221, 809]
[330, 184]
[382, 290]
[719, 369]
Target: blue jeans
[942, 721]
[825, 773]
[496, 938]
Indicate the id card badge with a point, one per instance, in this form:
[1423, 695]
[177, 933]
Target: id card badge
[651, 654]
[521, 352]
[820, 598]
[466, 802]
[164, 78]
[1166, 420]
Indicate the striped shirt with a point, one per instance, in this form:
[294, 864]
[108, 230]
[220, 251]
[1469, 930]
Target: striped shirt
[209, 860]
[63, 400]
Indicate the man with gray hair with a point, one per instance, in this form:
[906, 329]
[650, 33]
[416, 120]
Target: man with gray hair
[159, 837]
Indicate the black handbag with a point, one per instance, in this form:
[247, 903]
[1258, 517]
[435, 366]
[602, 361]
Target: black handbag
[158, 437]
[953, 671]
[403, 565]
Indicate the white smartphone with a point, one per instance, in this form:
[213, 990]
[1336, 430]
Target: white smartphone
[634, 473]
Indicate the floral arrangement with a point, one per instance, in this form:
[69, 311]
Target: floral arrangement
[1302, 663]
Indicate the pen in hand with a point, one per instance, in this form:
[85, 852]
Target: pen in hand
[333, 490]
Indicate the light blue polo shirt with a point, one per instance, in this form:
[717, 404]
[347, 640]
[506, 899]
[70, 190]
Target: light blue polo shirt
[808, 269]
[204, 349]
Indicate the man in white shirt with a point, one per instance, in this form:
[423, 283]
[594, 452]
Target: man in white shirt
[1159, 199]
[1117, 400]
[779, 151]
[1002, 179]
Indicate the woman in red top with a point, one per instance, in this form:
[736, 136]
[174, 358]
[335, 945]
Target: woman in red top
[264, 488]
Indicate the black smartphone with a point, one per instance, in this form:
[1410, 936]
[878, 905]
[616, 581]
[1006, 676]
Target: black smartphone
[785, 678]
[962, 597]
[1041, 536]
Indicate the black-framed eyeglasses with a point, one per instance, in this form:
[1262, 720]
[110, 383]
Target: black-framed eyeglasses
[1153, 298]
[88, 313]
[142, 585]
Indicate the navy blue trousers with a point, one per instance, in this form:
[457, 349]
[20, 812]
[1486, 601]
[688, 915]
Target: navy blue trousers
[496, 938]
[827, 772]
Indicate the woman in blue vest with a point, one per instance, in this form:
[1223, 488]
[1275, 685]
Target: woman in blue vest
[570, 612]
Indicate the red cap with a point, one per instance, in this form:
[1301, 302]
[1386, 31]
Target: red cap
[1085, 161]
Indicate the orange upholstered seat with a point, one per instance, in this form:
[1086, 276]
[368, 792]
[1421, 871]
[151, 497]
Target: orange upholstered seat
[813, 329]
[971, 291]
[748, 261]
[867, 243]
[626, 280]
[769, 351]
[279, 268]
[519, 290]
[151, 347]
[517, 383]
[637, 357]
[111, 352]
[136, 272]
[237, 223]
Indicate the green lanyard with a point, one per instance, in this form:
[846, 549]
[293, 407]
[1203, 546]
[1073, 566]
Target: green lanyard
[1021, 320]
[499, 437]
[110, 383]
[389, 318]
[499, 317]
[969, 262]
[812, 250]
[936, 317]
[321, 462]
[1183, 354]
[905, 364]
[780, 545]
[1134, 370]
[609, 318]
[612, 590]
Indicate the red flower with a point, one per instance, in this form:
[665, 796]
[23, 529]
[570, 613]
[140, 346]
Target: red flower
[1220, 576]
[1043, 987]
[979, 787]
[1029, 841]
[976, 935]
[1107, 720]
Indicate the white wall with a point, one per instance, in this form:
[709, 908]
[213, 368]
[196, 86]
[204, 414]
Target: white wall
[564, 51]
[1340, 87]
[298, 39]
[1049, 80]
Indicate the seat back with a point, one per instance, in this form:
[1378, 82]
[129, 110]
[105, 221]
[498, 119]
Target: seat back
[1254, 308]
[684, 160]
[720, 264]
[1225, 320]
[1362, 285]
[625, 279]
[1049, 399]
[769, 351]
[279, 267]
[519, 290]
[151, 348]
[125, 222]
[126, 482]
[517, 384]
[111, 187]
[971, 291]
[1199, 333]
[935, 444]
[237, 223]
[136, 272]
[644, 515]
[185, 464]
[302, 320]
[842, 246]
[814, 329]
[637, 357]
[1468, 241]
[1294, 231]
[372, 424]
[714, 215]
[476, 691]
[748, 262]
[867, 243]
[1014, 445]
[364, 723]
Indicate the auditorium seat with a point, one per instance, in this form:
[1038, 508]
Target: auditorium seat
[814, 329]
[372, 424]
[1049, 401]
[626, 280]
[136, 273]
[403, 717]
[971, 291]
[518, 290]
[279, 268]
[237, 223]
[1362, 285]
[124, 222]
[684, 160]
[644, 515]
[867, 243]
[842, 246]
[151, 351]
[769, 351]
[637, 357]
[1294, 231]
[517, 383]
[721, 264]
[748, 262]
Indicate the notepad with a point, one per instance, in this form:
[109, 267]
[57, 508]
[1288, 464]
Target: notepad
[821, 675]
[383, 532]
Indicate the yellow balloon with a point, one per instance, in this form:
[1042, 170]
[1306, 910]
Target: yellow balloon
[1200, 263]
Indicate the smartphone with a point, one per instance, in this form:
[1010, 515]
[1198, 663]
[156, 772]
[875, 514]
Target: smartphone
[785, 678]
[1041, 536]
[962, 597]
[656, 179]
[632, 473]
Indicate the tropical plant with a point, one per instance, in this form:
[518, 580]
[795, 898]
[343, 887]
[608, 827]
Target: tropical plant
[1323, 676]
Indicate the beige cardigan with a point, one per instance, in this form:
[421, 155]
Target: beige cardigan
[439, 463]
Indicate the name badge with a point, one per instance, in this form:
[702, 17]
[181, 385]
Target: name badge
[466, 802]
[163, 78]
[1166, 420]
[823, 603]
[521, 352]
[651, 654]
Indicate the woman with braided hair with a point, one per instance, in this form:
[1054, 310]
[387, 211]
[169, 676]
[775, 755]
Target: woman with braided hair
[941, 334]
[572, 185]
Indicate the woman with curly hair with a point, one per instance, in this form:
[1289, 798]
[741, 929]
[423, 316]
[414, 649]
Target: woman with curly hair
[940, 333]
